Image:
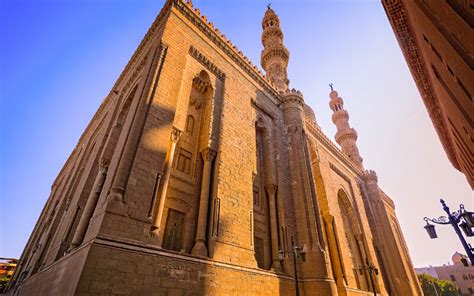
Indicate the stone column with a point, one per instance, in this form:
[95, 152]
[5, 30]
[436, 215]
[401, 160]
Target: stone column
[90, 205]
[200, 248]
[271, 191]
[141, 113]
[334, 253]
[175, 134]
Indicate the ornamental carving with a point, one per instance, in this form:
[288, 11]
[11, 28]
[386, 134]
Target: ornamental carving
[225, 45]
[271, 31]
[175, 134]
[208, 154]
[341, 174]
[407, 39]
[294, 96]
[343, 135]
[104, 163]
[342, 114]
[275, 51]
[135, 73]
[198, 56]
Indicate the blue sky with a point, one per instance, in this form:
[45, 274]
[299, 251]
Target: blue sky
[60, 58]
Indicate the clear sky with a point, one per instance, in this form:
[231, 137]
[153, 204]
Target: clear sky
[60, 58]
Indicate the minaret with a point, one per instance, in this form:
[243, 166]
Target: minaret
[275, 56]
[346, 136]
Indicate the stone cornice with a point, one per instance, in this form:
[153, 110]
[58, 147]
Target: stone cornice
[323, 139]
[340, 173]
[207, 28]
[406, 37]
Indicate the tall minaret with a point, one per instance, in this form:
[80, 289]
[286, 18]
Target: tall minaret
[346, 136]
[275, 56]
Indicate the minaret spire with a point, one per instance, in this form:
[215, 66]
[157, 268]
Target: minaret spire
[346, 136]
[275, 56]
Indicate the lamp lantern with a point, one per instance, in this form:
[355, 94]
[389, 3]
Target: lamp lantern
[430, 228]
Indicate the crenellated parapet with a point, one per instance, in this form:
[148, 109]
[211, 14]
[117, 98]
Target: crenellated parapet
[293, 98]
[370, 177]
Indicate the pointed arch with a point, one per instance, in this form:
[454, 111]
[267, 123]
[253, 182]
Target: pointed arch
[352, 232]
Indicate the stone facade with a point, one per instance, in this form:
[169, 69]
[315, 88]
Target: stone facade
[436, 40]
[197, 172]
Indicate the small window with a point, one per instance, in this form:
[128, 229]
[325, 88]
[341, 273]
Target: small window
[256, 197]
[184, 161]
[190, 124]
[452, 278]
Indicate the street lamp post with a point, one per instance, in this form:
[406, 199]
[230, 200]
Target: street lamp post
[461, 219]
[371, 268]
[297, 253]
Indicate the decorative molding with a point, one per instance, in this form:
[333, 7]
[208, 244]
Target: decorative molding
[346, 134]
[293, 96]
[274, 51]
[175, 134]
[200, 22]
[135, 73]
[208, 154]
[406, 37]
[340, 114]
[206, 62]
[271, 189]
[326, 142]
[340, 173]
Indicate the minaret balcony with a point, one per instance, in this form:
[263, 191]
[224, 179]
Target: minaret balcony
[278, 51]
[344, 135]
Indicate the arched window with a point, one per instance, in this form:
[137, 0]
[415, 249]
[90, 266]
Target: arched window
[350, 225]
[126, 106]
[190, 124]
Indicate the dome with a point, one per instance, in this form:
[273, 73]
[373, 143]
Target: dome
[309, 114]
